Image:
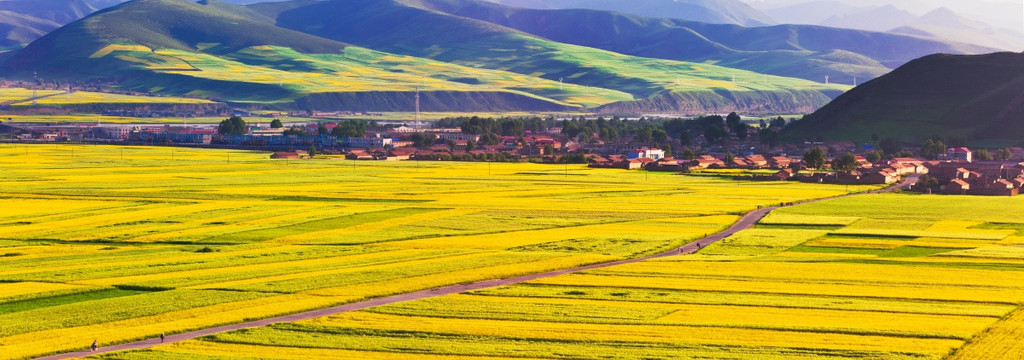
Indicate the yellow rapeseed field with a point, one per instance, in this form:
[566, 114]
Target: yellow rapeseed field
[197, 241]
[835, 280]
[160, 240]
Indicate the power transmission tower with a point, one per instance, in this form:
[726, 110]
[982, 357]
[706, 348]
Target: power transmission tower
[417, 104]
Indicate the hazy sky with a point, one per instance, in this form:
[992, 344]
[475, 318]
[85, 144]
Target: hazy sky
[1007, 14]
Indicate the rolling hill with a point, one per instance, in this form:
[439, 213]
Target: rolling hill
[976, 96]
[17, 30]
[710, 11]
[807, 52]
[232, 53]
[218, 50]
[24, 21]
[424, 29]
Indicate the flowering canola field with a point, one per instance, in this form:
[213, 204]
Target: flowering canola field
[124, 243]
[891, 276]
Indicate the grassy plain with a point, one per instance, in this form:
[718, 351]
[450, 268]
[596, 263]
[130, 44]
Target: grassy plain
[121, 243]
[892, 276]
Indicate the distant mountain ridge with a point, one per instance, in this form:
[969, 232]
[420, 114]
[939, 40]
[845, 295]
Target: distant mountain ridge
[938, 22]
[24, 21]
[806, 52]
[709, 11]
[17, 30]
[979, 96]
[240, 54]
[437, 29]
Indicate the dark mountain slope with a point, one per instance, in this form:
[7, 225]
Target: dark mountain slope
[980, 96]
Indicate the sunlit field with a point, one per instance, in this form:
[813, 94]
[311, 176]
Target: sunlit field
[88, 97]
[866, 277]
[22, 98]
[122, 243]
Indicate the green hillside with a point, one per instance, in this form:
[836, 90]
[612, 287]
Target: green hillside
[225, 52]
[711, 11]
[975, 96]
[421, 29]
[808, 52]
[236, 54]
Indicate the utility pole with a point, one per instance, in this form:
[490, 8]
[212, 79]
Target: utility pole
[417, 104]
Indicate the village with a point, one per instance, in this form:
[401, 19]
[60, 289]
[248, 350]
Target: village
[956, 171]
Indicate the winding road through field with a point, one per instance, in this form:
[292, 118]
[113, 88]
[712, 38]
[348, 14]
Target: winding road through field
[746, 222]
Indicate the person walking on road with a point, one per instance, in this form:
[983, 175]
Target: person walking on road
[94, 345]
[161, 337]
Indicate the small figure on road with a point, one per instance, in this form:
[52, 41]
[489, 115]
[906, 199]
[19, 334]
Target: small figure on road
[698, 245]
[94, 345]
[162, 337]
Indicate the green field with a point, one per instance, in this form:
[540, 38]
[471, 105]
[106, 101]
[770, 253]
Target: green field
[840, 279]
[121, 243]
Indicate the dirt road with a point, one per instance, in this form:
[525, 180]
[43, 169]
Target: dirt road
[747, 221]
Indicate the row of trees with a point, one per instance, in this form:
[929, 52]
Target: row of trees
[816, 157]
[235, 125]
[503, 126]
[715, 128]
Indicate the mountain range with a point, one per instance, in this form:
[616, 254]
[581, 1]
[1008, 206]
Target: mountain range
[710, 11]
[938, 22]
[461, 55]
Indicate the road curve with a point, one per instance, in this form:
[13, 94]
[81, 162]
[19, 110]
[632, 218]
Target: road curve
[747, 221]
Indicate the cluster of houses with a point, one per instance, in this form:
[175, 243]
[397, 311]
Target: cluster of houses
[982, 178]
[957, 172]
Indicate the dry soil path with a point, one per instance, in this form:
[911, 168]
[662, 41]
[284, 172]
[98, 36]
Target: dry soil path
[747, 221]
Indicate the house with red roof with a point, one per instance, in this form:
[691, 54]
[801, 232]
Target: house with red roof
[960, 154]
